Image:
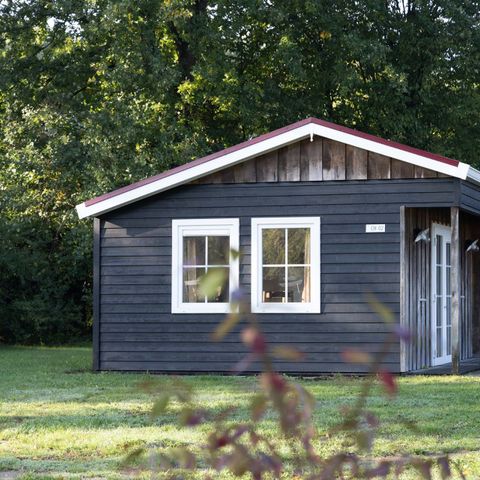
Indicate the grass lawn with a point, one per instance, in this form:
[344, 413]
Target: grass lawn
[58, 420]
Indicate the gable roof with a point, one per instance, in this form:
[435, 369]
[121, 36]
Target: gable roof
[264, 144]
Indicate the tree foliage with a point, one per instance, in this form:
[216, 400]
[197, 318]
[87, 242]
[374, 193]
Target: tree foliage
[95, 94]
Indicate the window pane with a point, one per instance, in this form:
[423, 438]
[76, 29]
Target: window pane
[273, 246]
[221, 287]
[298, 246]
[298, 284]
[194, 250]
[191, 284]
[273, 284]
[218, 250]
[447, 253]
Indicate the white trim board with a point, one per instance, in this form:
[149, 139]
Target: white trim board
[308, 130]
[257, 226]
[203, 227]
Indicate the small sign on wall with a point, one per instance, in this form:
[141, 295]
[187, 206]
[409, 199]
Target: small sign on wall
[375, 228]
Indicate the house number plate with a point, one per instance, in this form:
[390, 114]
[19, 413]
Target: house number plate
[375, 228]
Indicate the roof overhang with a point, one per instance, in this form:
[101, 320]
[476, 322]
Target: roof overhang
[265, 143]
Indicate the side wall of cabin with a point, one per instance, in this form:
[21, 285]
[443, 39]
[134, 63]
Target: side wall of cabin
[137, 331]
[470, 202]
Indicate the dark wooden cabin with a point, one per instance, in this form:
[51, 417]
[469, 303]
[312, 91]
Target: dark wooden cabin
[322, 216]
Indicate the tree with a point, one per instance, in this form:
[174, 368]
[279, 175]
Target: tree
[96, 94]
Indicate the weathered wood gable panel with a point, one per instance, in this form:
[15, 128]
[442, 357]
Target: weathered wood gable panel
[138, 331]
[318, 160]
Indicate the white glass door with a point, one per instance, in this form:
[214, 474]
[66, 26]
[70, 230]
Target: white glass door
[441, 295]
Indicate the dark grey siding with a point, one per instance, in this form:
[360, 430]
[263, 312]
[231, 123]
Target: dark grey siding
[470, 197]
[138, 332]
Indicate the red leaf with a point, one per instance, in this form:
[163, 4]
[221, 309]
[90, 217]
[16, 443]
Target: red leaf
[388, 381]
[254, 339]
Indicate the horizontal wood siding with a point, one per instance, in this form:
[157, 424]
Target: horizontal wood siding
[138, 332]
[470, 197]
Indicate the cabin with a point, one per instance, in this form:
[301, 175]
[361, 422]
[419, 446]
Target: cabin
[322, 216]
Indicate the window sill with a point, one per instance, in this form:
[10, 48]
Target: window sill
[202, 308]
[286, 308]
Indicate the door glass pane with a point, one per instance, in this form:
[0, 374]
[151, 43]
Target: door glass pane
[191, 285]
[220, 291]
[439, 343]
[218, 250]
[439, 311]
[439, 249]
[298, 246]
[448, 289]
[273, 285]
[439, 283]
[449, 310]
[273, 246]
[447, 253]
[449, 340]
[299, 284]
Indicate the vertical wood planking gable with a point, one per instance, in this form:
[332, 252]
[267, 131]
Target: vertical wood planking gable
[356, 163]
[333, 160]
[318, 159]
[424, 172]
[402, 169]
[245, 172]
[289, 163]
[267, 167]
[378, 166]
[311, 157]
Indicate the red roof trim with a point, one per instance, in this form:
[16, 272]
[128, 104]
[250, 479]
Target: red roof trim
[383, 141]
[262, 138]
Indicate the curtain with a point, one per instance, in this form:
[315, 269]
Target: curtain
[306, 294]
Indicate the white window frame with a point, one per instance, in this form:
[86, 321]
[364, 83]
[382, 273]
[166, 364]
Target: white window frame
[258, 224]
[202, 227]
[446, 233]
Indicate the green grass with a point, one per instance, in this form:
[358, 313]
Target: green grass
[58, 420]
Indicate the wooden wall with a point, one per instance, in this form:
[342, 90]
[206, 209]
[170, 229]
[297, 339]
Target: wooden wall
[318, 160]
[137, 330]
[418, 354]
[469, 199]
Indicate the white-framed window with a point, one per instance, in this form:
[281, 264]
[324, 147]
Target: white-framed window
[286, 265]
[199, 246]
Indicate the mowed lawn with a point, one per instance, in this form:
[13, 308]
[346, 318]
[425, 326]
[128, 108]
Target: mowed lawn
[59, 420]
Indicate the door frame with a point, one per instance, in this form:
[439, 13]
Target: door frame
[446, 232]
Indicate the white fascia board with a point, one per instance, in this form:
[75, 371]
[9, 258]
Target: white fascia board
[195, 172]
[462, 170]
[459, 171]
